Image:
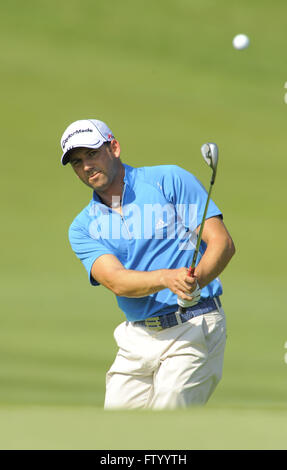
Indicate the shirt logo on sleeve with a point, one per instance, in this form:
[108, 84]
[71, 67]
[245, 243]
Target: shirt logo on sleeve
[160, 224]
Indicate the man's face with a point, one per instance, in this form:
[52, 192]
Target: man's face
[97, 168]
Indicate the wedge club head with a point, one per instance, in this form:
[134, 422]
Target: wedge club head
[210, 154]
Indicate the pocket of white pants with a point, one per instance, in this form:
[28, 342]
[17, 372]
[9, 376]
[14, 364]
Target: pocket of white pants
[214, 329]
[118, 332]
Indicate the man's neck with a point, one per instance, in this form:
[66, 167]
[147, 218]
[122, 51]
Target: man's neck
[112, 197]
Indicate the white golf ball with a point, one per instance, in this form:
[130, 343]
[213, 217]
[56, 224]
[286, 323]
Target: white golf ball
[241, 41]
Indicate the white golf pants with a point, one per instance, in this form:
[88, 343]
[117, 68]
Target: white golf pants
[172, 368]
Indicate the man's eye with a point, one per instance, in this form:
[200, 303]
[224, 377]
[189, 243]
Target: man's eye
[75, 162]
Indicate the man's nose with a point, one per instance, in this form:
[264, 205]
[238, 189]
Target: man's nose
[87, 164]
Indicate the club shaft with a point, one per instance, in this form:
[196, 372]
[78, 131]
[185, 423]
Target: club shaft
[192, 266]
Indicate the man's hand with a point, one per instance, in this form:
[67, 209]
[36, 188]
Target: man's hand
[194, 299]
[178, 281]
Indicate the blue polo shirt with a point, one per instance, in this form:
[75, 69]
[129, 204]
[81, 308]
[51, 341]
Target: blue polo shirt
[162, 207]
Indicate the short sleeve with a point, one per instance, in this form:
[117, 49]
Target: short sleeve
[181, 187]
[86, 248]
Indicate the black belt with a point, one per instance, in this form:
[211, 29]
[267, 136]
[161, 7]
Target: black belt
[172, 319]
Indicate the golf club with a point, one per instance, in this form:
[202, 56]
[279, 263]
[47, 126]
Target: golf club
[210, 154]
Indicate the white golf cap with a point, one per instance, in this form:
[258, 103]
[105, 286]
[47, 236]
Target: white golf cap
[89, 133]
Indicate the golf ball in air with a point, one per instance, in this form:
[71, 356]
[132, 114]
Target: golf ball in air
[241, 41]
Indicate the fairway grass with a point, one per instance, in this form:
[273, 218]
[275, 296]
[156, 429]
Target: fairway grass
[79, 428]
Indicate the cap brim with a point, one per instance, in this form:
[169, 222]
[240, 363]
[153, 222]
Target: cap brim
[66, 157]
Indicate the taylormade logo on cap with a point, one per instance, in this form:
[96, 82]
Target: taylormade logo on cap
[90, 133]
[78, 131]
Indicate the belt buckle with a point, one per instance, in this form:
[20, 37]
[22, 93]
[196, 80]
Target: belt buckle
[153, 323]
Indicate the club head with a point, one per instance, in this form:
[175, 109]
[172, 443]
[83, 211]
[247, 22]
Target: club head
[210, 154]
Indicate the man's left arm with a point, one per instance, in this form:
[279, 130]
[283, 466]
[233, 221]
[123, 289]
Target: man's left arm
[220, 249]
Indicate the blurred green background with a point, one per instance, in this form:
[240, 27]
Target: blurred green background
[164, 75]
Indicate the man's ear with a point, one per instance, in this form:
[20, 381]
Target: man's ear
[116, 148]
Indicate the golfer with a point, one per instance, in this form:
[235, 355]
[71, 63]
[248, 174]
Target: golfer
[136, 237]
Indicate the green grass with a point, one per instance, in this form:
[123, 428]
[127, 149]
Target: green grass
[166, 79]
[91, 428]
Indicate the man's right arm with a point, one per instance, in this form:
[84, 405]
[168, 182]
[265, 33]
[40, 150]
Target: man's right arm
[110, 272]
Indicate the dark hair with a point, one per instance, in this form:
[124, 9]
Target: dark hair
[71, 151]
